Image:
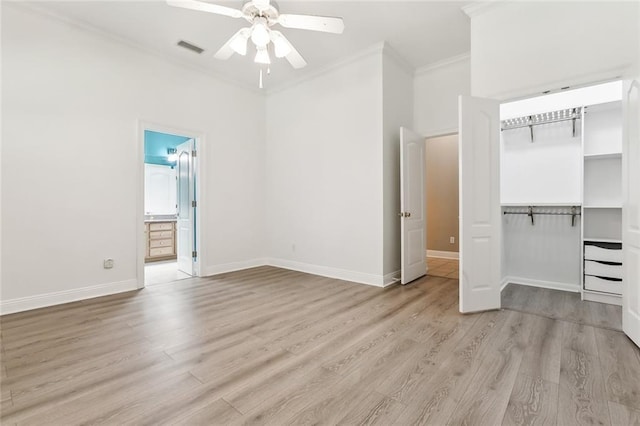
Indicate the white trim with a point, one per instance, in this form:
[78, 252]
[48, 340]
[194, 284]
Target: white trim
[574, 82]
[504, 283]
[199, 171]
[478, 8]
[441, 64]
[234, 266]
[443, 254]
[610, 299]
[57, 298]
[393, 54]
[574, 288]
[442, 132]
[377, 48]
[327, 271]
[392, 278]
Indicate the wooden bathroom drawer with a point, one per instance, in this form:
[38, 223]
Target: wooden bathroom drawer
[601, 284]
[161, 251]
[161, 226]
[593, 252]
[161, 243]
[155, 235]
[602, 269]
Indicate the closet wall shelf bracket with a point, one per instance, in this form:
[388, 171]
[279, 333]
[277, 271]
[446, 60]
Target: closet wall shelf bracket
[573, 212]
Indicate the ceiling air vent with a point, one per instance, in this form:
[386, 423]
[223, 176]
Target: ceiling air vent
[190, 47]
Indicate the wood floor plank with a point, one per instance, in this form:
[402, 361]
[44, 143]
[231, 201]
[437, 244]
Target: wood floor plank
[579, 338]
[374, 409]
[581, 394]
[622, 415]
[544, 349]
[620, 364]
[533, 401]
[220, 412]
[272, 346]
[486, 396]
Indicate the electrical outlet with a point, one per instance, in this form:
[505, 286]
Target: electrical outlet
[452, 240]
[107, 264]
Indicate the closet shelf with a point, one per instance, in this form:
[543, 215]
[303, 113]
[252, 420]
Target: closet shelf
[602, 240]
[617, 206]
[603, 156]
[568, 204]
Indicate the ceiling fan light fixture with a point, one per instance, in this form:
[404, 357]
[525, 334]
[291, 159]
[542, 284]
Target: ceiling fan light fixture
[260, 33]
[262, 56]
[281, 47]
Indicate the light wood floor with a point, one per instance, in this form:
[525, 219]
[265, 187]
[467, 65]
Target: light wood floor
[269, 346]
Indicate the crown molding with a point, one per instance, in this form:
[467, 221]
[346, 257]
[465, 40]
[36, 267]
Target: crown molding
[393, 54]
[105, 35]
[376, 49]
[443, 63]
[481, 7]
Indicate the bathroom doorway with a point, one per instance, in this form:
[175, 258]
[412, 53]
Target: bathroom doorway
[170, 206]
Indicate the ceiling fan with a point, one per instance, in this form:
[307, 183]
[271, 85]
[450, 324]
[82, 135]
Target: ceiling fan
[262, 15]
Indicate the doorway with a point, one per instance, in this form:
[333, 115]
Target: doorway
[169, 241]
[442, 205]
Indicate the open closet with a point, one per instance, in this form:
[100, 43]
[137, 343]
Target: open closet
[561, 192]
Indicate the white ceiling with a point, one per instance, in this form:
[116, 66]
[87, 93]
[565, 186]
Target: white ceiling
[422, 32]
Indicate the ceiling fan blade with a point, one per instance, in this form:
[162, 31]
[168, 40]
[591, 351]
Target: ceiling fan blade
[284, 48]
[206, 7]
[327, 24]
[227, 50]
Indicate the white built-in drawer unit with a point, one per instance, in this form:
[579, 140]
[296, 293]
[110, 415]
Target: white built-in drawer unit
[603, 267]
[605, 285]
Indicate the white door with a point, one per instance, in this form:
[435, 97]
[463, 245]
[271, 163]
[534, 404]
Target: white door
[186, 207]
[631, 211]
[412, 206]
[480, 226]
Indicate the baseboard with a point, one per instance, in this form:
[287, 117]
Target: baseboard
[329, 272]
[57, 298]
[392, 278]
[234, 266]
[611, 299]
[443, 254]
[574, 288]
[504, 283]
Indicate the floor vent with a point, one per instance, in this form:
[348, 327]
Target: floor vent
[190, 47]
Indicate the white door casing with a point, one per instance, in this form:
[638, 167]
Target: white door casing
[412, 206]
[480, 222]
[186, 210]
[631, 210]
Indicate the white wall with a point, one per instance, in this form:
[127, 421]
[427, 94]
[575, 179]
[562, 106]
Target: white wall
[397, 98]
[71, 103]
[436, 91]
[324, 169]
[522, 48]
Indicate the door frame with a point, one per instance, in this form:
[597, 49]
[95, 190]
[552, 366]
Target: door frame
[199, 176]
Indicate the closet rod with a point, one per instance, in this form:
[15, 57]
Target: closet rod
[574, 212]
[570, 114]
